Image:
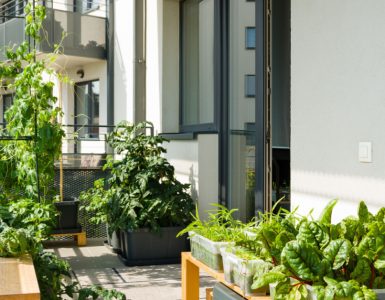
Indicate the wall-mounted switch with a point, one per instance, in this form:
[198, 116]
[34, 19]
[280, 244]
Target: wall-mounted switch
[365, 152]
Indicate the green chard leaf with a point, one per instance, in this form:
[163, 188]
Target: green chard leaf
[303, 260]
[314, 233]
[367, 248]
[363, 213]
[338, 252]
[268, 278]
[362, 272]
[326, 214]
[365, 294]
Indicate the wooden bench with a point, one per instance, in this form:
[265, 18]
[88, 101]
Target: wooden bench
[190, 279]
[18, 279]
[79, 237]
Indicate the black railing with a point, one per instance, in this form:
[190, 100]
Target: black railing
[15, 8]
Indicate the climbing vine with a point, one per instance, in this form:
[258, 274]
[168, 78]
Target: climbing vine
[33, 115]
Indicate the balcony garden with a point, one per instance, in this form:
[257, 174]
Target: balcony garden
[149, 212]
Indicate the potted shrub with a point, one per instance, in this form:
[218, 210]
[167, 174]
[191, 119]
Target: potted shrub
[143, 199]
[105, 208]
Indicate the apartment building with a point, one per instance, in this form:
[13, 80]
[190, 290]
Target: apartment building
[260, 99]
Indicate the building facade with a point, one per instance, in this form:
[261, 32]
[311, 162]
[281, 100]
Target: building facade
[259, 99]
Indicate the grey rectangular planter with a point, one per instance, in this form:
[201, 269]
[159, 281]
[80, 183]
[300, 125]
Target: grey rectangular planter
[142, 247]
[113, 241]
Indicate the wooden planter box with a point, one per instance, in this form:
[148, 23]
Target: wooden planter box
[18, 279]
[142, 247]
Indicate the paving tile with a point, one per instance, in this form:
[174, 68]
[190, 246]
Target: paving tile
[98, 276]
[95, 264]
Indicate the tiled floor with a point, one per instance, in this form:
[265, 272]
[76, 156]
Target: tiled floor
[95, 264]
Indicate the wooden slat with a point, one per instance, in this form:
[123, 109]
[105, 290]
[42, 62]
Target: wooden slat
[79, 237]
[18, 279]
[219, 276]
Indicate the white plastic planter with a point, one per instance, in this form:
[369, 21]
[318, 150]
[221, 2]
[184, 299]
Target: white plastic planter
[207, 251]
[229, 262]
[244, 271]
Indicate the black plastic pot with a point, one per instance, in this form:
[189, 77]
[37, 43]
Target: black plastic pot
[67, 220]
[142, 247]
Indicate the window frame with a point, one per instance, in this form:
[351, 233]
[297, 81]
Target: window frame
[212, 127]
[87, 82]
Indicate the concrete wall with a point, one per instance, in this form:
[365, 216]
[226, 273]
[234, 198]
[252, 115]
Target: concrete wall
[124, 61]
[337, 94]
[195, 161]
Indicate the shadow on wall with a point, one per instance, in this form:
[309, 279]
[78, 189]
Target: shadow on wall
[192, 181]
[88, 43]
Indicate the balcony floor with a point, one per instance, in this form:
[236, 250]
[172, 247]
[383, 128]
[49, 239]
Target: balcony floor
[95, 264]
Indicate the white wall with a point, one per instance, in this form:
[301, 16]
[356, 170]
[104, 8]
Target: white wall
[337, 100]
[196, 163]
[124, 61]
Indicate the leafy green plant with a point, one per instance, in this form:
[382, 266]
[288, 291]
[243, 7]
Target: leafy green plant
[220, 226]
[98, 292]
[24, 222]
[339, 260]
[33, 114]
[142, 190]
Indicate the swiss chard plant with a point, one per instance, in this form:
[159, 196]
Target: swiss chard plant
[340, 261]
[142, 191]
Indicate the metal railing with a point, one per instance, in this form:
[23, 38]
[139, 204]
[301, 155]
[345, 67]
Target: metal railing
[15, 8]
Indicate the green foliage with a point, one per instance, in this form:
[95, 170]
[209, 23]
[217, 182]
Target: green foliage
[274, 231]
[343, 261]
[97, 292]
[33, 114]
[142, 190]
[220, 225]
[25, 223]
[13, 242]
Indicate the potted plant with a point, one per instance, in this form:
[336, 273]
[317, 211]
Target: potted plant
[101, 201]
[208, 237]
[143, 199]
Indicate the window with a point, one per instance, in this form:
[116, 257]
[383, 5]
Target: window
[250, 37]
[84, 6]
[197, 63]
[87, 109]
[7, 102]
[250, 86]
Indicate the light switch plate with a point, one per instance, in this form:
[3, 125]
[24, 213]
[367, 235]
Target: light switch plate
[365, 152]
